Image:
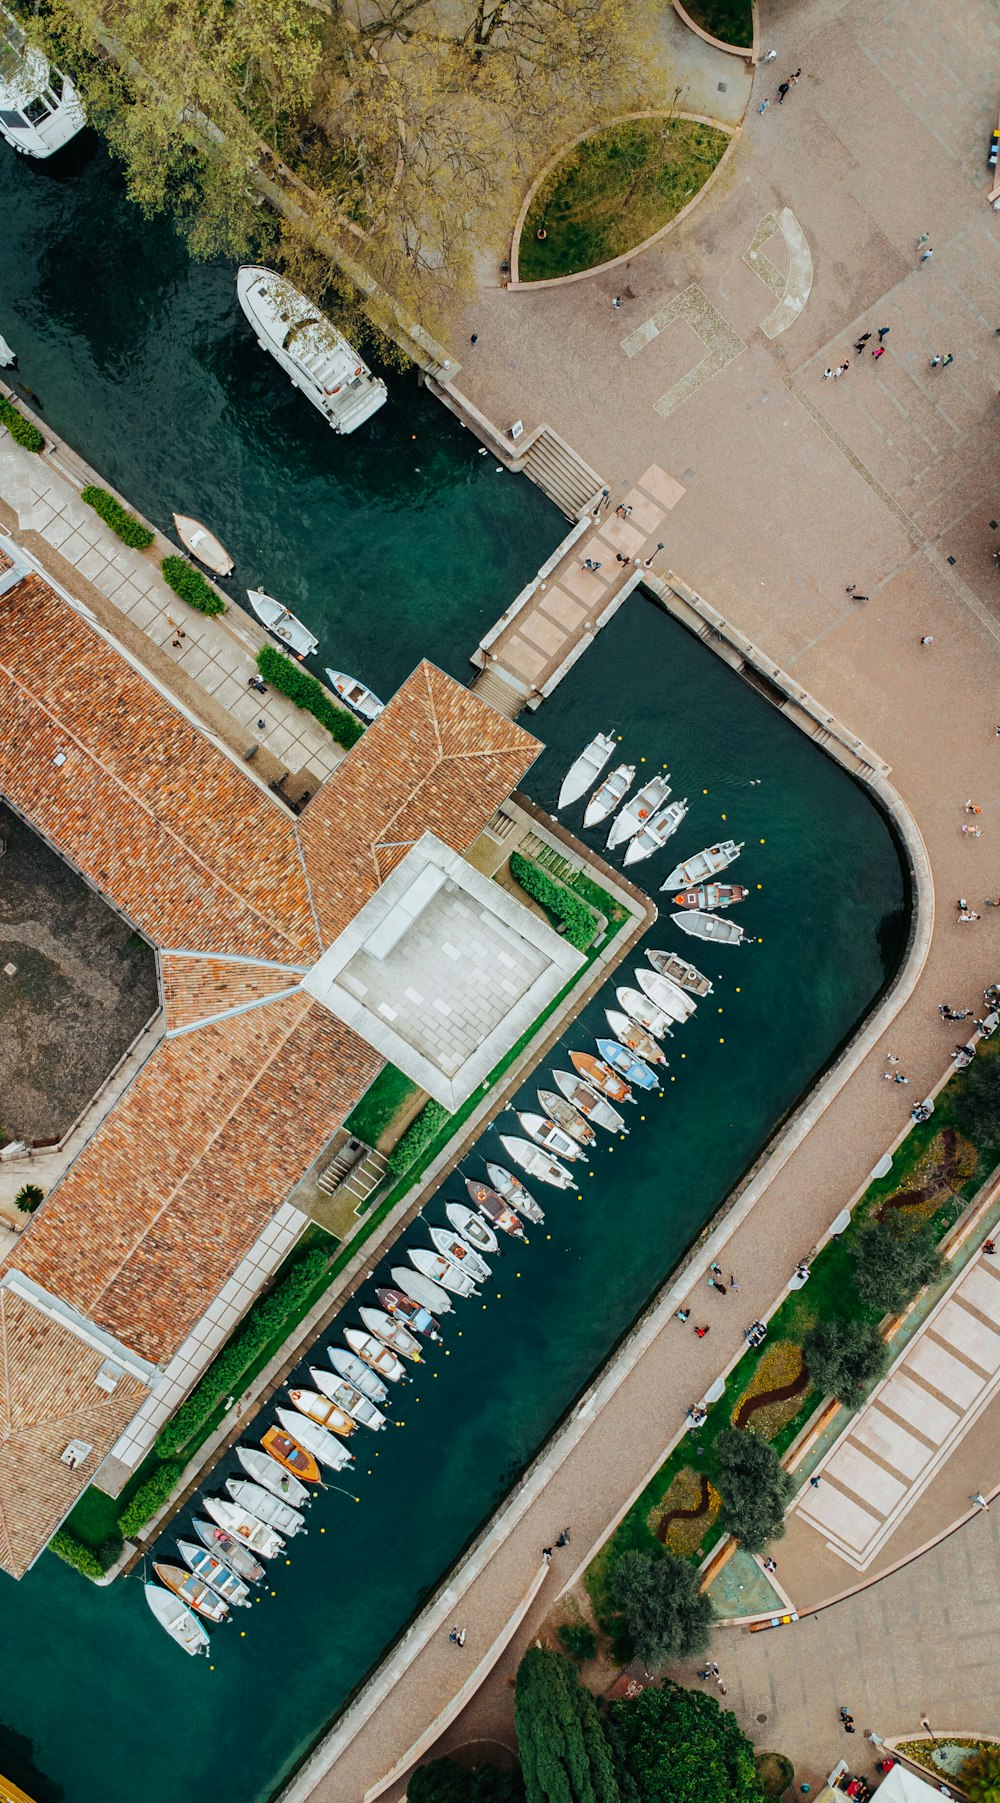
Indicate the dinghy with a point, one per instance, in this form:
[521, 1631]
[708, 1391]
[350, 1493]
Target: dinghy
[709, 896]
[495, 1208]
[203, 545]
[536, 1162]
[567, 1117]
[686, 976]
[657, 832]
[638, 812]
[423, 1290]
[212, 1570]
[381, 1358]
[176, 1618]
[472, 1227]
[354, 695]
[704, 864]
[459, 1253]
[598, 1074]
[391, 1332]
[627, 1064]
[307, 346]
[440, 1270]
[634, 1037]
[708, 926]
[346, 1397]
[265, 1470]
[513, 1191]
[192, 1590]
[267, 1508]
[412, 1313]
[244, 1527]
[319, 1408]
[592, 1105]
[546, 1133]
[325, 1447]
[666, 995]
[291, 1456]
[585, 770]
[347, 1364]
[640, 1009]
[222, 1546]
[280, 621]
[612, 790]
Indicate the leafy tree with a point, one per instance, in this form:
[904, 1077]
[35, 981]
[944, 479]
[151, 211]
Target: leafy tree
[565, 1757]
[756, 1489]
[579, 1641]
[845, 1358]
[980, 1776]
[666, 1614]
[977, 1100]
[679, 1746]
[893, 1263]
[28, 1198]
[444, 1781]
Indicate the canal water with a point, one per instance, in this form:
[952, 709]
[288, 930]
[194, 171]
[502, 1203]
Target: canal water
[102, 1700]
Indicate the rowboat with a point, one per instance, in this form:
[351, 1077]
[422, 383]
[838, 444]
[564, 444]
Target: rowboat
[223, 1546]
[657, 832]
[666, 995]
[627, 1064]
[546, 1133]
[267, 1508]
[687, 976]
[440, 1270]
[638, 811]
[585, 769]
[536, 1162]
[381, 1358]
[192, 1590]
[704, 864]
[495, 1208]
[203, 545]
[592, 1105]
[346, 1397]
[567, 1117]
[459, 1253]
[412, 1313]
[598, 1074]
[423, 1290]
[354, 695]
[612, 790]
[325, 1447]
[347, 1364]
[513, 1191]
[291, 1455]
[472, 1227]
[244, 1527]
[280, 621]
[320, 1408]
[265, 1470]
[709, 896]
[212, 1570]
[307, 346]
[634, 1037]
[391, 1332]
[177, 1619]
[640, 1009]
[708, 926]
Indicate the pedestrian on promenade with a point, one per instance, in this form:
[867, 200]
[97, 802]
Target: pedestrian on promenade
[928, 638]
[827, 373]
[716, 1285]
[733, 1285]
[900, 1079]
[935, 362]
[620, 511]
[860, 343]
[683, 1313]
[891, 1058]
[770, 1564]
[814, 1483]
[975, 831]
[619, 558]
[980, 1501]
[547, 1554]
[700, 1332]
[475, 338]
[973, 807]
[923, 239]
[841, 370]
[878, 352]
[926, 255]
[721, 1686]
[616, 303]
[563, 1538]
[763, 106]
[990, 1248]
[769, 58]
[948, 359]
[883, 332]
[716, 1270]
[783, 88]
[792, 79]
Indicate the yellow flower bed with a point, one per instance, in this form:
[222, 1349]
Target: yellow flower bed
[948, 1162]
[685, 1535]
[779, 1367]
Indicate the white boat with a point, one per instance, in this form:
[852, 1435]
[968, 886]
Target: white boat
[324, 1446]
[430, 1295]
[192, 1590]
[347, 1364]
[638, 811]
[203, 545]
[280, 621]
[558, 1109]
[605, 799]
[213, 1570]
[244, 1527]
[324, 1412]
[546, 1133]
[440, 1270]
[536, 1162]
[267, 1508]
[657, 832]
[584, 772]
[222, 1546]
[354, 695]
[685, 975]
[264, 1470]
[317, 358]
[391, 1333]
[337, 1390]
[640, 1009]
[666, 995]
[634, 1037]
[40, 109]
[472, 1226]
[704, 864]
[708, 926]
[458, 1252]
[380, 1357]
[512, 1190]
[178, 1620]
[592, 1105]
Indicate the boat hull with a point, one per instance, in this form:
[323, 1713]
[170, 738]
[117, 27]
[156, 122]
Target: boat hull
[472, 1227]
[621, 1059]
[324, 1412]
[441, 1271]
[638, 812]
[536, 1162]
[349, 1366]
[269, 1509]
[325, 367]
[704, 865]
[709, 896]
[330, 1451]
[292, 1456]
[567, 1117]
[244, 1527]
[405, 1308]
[496, 1210]
[360, 1408]
[513, 1191]
[641, 1010]
[590, 1102]
[393, 1334]
[282, 624]
[708, 926]
[203, 545]
[665, 995]
[177, 1619]
[597, 1073]
[223, 1546]
[214, 1571]
[459, 1253]
[354, 695]
[192, 1590]
[375, 1353]
[263, 1469]
[546, 1134]
[634, 1038]
[656, 834]
[585, 770]
[610, 795]
[685, 975]
[423, 1290]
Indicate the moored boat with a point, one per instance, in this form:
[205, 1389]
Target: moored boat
[392, 1333]
[685, 975]
[265, 1470]
[361, 701]
[600, 1077]
[459, 1253]
[213, 1570]
[244, 1527]
[347, 1364]
[706, 897]
[40, 109]
[558, 1109]
[176, 1618]
[708, 926]
[346, 1397]
[634, 1037]
[375, 1353]
[238, 1557]
[513, 1191]
[423, 1290]
[592, 1105]
[536, 1162]
[627, 1064]
[585, 770]
[412, 1313]
[496, 1210]
[192, 1590]
[266, 1507]
[638, 811]
[324, 1446]
[203, 545]
[706, 863]
[319, 1408]
[291, 1455]
[440, 1270]
[666, 995]
[656, 832]
[642, 1011]
[612, 790]
[307, 346]
[546, 1133]
[472, 1227]
[282, 623]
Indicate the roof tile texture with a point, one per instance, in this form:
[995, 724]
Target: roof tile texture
[196, 989]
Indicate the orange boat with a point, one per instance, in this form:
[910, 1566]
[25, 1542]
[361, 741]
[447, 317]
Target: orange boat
[321, 1409]
[292, 1456]
[601, 1076]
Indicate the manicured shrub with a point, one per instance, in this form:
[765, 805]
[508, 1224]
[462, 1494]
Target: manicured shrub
[756, 1489]
[894, 1263]
[845, 1358]
[579, 1641]
[150, 1497]
[560, 1735]
[290, 679]
[418, 1135]
[130, 530]
[191, 586]
[28, 1198]
[679, 1746]
[77, 1553]
[666, 1615]
[21, 430]
[579, 923]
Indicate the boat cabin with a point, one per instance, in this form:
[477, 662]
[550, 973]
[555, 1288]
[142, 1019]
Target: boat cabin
[40, 109]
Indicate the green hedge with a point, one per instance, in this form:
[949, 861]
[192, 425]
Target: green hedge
[151, 1497]
[130, 530]
[419, 1134]
[579, 923]
[190, 585]
[83, 1558]
[226, 1372]
[290, 679]
[21, 430]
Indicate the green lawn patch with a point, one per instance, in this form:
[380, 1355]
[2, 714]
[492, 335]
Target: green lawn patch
[729, 20]
[387, 1097]
[615, 190]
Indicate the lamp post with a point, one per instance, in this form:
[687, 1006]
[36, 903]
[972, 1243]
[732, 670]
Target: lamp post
[924, 1723]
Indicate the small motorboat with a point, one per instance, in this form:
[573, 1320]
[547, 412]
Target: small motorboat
[634, 1037]
[280, 621]
[267, 1508]
[423, 1290]
[685, 975]
[613, 789]
[536, 1162]
[640, 1009]
[347, 1364]
[375, 1353]
[627, 1064]
[244, 1527]
[265, 1470]
[704, 864]
[495, 1208]
[558, 1109]
[709, 896]
[585, 770]
[223, 1546]
[554, 1139]
[666, 995]
[293, 1457]
[458, 1251]
[354, 695]
[319, 1408]
[600, 1077]
[391, 1332]
[346, 1397]
[176, 1618]
[638, 812]
[472, 1227]
[708, 926]
[203, 545]
[657, 832]
[324, 1446]
[440, 1270]
[192, 1590]
[412, 1313]
[212, 1570]
[592, 1105]
[513, 1191]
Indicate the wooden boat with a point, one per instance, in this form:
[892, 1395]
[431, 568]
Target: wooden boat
[536, 1162]
[268, 1508]
[288, 1452]
[423, 1289]
[391, 1333]
[495, 1208]
[284, 625]
[320, 1408]
[546, 1133]
[585, 770]
[453, 1247]
[657, 832]
[592, 1105]
[320, 362]
[567, 1117]
[324, 1446]
[244, 1527]
[641, 1010]
[708, 926]
[381, 1358]
[237, 1556]
[192, 1590]
[176, 1618]
[600, 1077]
[709, 896]
[347, 1364]
[666, 995]
[472, 1227]
[638, 811]
[412, 1313]
[513, 1192]
[634, 1038]
[203, 545]
[613, 789]
[265, 1470]
[686, 976]
[354, 695]
[627, 1064]
[346, 1397]
[704, 864]
[440, 1270]
[212, 1570]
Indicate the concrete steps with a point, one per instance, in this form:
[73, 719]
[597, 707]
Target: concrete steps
[561, 474]
[499, 692]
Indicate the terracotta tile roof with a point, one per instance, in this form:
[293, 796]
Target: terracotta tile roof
[197, 988]
[436, 760]
[48, 1397]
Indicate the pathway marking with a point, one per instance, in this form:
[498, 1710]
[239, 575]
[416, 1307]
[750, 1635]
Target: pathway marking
[792, 290]
[721, 343]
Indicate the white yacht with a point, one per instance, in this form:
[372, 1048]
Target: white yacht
[309, 348]
[40, 109]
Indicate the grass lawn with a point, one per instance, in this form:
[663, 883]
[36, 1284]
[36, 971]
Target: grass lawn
[390, 1093]
[729, 20]
[613, 191]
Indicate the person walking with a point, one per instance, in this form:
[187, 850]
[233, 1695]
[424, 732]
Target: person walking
[792, 79]
[683, 1313]
[859, 343]
[763, 106]
[926, 255]
[935, 362]
[841, 370]
[946, 360]
[616, 302]
[928, 639]
[879, 352]
[980, 1501]
[700, 1332]
[883, 332]
[770, 57]
[827, 373]
[783, 88]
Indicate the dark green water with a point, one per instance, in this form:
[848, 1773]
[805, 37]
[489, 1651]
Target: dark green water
[111, 1708]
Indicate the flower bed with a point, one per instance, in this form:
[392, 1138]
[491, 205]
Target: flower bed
[686, 1513]
[773, 1397]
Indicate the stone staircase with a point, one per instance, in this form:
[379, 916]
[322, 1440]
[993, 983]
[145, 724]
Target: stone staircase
[353, 1173]
[561, 474]
[499, 692]
[546, 855]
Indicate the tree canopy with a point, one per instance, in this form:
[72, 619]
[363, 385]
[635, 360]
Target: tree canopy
[565, 1757]
[845, 1358]
[756, 1490]
[977, 1099]
[666, 1614]
[678, 1746]
[445, 1781]
[893, 1263]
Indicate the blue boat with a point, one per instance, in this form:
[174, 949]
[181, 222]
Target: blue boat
[627, 1064]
